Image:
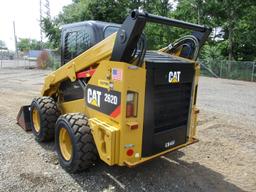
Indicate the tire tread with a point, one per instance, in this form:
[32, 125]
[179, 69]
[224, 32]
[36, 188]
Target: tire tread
[49, 114]
[87, 152]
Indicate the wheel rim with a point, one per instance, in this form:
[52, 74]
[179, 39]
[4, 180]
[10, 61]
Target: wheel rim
[36, 119]
[65, 144]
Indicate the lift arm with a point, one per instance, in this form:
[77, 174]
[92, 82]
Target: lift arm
[98, 52]
[132, 28]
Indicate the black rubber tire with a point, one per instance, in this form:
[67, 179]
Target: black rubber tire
[84, 151]
[48, 114]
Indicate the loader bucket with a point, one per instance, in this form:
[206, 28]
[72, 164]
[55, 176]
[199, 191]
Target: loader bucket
[23, 118]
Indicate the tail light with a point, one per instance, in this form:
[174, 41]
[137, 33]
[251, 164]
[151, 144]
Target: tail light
[129, 152]
[131, 104]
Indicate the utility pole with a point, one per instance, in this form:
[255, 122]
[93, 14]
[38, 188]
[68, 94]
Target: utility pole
[47, 7]
[44, 11]
[15, 39]
[41, 20]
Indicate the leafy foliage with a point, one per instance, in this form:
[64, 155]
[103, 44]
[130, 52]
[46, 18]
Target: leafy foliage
[235, 18]
[24, 44]
[52, 31]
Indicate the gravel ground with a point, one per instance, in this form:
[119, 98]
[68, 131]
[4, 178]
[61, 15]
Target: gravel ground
[223, 160]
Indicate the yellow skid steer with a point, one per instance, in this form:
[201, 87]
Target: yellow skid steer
[115, 100]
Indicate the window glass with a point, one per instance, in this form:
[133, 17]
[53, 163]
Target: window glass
[83, 41]
[110, 30]
[76, 42]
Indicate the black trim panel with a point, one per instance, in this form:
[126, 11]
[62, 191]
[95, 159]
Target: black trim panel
[166, 105]
[102, 99]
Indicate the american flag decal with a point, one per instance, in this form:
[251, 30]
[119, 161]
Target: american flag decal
[117, 74]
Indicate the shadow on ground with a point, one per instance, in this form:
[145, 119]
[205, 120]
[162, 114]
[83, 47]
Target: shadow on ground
[167, 173]
[48, 146]
[163, 174]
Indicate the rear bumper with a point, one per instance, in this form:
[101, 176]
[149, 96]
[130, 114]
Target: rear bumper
[142, 160]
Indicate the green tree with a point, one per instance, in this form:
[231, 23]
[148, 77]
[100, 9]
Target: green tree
[159, 36]
[52, 32]
[25, 44]
[77, 11]
[236, 18]
[110, 11]
[245, 38]
[214, 52]
[74, 12]
[233, 16]
[230, 13]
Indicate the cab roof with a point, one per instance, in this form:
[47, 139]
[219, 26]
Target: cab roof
[93, 23]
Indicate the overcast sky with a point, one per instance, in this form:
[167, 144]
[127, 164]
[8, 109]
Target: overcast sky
[25, 13]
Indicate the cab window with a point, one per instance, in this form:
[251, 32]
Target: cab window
[110, 30]
[76, 42]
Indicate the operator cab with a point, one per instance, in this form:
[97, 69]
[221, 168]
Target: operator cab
[75, 39]
[78, 37]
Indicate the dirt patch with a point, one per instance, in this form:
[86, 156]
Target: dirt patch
[223, 160]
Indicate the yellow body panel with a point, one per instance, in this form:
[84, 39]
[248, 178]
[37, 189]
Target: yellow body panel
[195, 111]
[107, 140]
[113, 135]
[130, 82]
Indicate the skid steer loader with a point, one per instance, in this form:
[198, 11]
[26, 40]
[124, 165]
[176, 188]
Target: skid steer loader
[112, 99]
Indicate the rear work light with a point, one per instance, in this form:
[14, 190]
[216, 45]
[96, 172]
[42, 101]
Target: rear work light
[131, 104]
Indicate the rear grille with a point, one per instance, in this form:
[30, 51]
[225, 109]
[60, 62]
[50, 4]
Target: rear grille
[167, 105]
[171, 106]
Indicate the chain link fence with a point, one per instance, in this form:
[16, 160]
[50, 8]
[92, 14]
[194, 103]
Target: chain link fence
[17, 63]
[45, 59]
[55, 59]
[238, 70]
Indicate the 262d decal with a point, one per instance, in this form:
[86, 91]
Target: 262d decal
[103, 100]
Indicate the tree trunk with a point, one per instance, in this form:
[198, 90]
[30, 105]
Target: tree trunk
[199, 7]
[230, 42]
